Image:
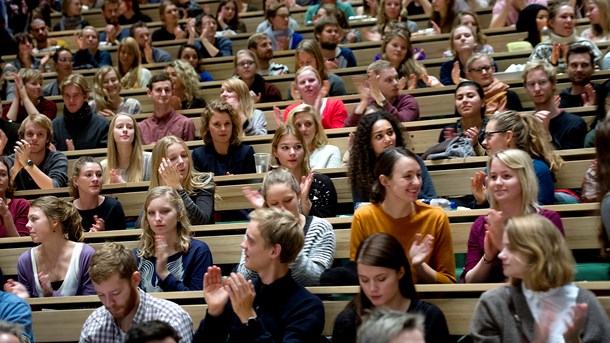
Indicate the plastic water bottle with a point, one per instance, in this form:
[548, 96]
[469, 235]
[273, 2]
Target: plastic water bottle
[545, 33]
[442, 203]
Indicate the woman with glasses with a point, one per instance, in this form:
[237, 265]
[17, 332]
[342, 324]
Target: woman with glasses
[515, 130]
[513, 189]
[562, 35]
[63, 61]
[282, 36]
[480, 68]
[261, 90]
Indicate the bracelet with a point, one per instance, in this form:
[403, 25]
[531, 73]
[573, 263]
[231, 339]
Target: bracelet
[486, 261]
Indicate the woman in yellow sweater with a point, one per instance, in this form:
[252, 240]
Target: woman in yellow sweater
[422, 230]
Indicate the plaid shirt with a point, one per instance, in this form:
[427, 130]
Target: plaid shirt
[101, 327]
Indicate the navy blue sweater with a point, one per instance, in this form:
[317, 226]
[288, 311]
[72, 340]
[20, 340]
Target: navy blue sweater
[286, 313]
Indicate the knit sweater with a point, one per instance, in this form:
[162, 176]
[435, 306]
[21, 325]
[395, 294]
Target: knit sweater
[503, 315]
[316, 256]
[371, 219]
[544, 50]
[326, 156]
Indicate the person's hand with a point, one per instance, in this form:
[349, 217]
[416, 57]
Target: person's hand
[589, 97]
[449, 133]
[190, 28]
[477, 185]
[44, 61]
[362, 86]
[20, 91]
[80, 41]
[221, 20]
[282, 43]
[317, 105]
[45, 284]
[205, 34]
[546, 318]
[98, 225]
[435, 27]
[351, 137]
[575, 327]
[111, 33]
[402, 83]
[107, 113]
[169, 174]
[351, 37]
[215, 295]
[3, 141]
[473, 135]
[255, 97]
[254, 197]
[161, 254]
[494, 223]
[52, 147]
[241, 292]
[455, 73]
[70, 145]
[294, 91]
[419, 53]
[3, 210]
[304, 188]
[22, 151]
[557, 100]
[277, 115]
[148, 53]
[554, 59]
[179, 32]
[331, 64]
[374, 85]
[421, 249]
[12, 286]
[545, 117]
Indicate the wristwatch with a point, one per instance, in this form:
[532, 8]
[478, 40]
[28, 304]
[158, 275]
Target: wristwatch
[383, 102]
[29, 164]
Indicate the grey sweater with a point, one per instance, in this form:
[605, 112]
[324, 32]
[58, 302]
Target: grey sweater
[316, 256]
[503, 315]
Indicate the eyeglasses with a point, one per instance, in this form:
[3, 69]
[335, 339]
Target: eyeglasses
[486, 69]
[283, 16]
[490, 134]
[532, 84]
[245, 64]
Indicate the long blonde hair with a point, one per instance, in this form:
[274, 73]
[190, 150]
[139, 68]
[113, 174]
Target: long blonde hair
[100, 95]
[131, 78]
[183, 227]
[246, 103]
[189, 79]
[193, 180]
[319, 139]
[135, 171]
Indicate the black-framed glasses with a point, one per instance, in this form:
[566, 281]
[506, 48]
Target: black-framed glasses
[486, 69]
[490, 134]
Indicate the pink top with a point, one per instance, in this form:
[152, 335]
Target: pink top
[155, 128]
[19, 209]
[513, 15]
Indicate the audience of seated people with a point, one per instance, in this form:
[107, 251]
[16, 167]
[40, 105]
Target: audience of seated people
[180, 197]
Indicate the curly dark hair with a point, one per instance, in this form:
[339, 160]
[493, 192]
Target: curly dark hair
[362, 157]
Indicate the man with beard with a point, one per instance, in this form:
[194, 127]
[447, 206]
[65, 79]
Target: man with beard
[580, 67]
[115, 277]
[113, 34]
[328, 33]
[480, 68]
[150, 54]
[260, 45]
[567, 130]
[40, 32]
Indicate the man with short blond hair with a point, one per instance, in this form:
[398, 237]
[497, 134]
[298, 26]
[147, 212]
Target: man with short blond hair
[115, 277]
[271, 308]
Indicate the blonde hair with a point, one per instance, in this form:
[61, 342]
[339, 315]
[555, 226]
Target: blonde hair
[540, 65]
[278, 226]
[409, 65]
[134, 171]
[529, 135]
[78, 165]
[603, 28]
[312, 48]
[30, 74]
[189, 79]
[100, 95]
[523, 166]
[246, 103]
[319, 138]
[287, 130]
[77, 80]
[192, 180]
[56, 209]
[130, 78]
[549, 262]
[183, 227]
[451, 36]
[276, 176]
[40, 120]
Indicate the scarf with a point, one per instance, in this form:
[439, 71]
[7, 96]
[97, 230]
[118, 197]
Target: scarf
[70, 23]
[495, 96]
[78, 120]
[562, 40]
